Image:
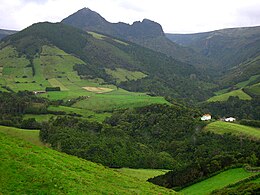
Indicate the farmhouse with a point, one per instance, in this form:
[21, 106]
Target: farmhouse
[230, 119]
[206, 117]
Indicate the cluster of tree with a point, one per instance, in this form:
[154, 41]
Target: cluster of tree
[154, 136]
[14, 105]
[241, 109]
[253, 123]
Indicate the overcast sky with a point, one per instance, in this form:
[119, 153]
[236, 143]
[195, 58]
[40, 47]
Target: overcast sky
[175, 16]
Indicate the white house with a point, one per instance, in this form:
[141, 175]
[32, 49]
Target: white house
[230, 119]
[206, 117]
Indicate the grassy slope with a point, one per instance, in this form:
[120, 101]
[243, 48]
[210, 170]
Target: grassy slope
[141, 174]
[236, 129]
[224, 97]
[112, 101]
[217, 182]
[254, 89]
[121, 74]
[29, 169]
[31, 136]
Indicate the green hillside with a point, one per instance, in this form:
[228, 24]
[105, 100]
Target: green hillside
[29, 169]
[219, 181]
[57, 55]
[235, 51]
[224, 97]
[220, 127]
[31, 136]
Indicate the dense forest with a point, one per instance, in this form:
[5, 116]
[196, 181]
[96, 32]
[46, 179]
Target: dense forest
[155, 136]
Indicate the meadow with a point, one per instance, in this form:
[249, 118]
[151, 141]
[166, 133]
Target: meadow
[224, 96]
[40, 170]
[141, 174]
[31, 136]
[221, 127]
[219, 181]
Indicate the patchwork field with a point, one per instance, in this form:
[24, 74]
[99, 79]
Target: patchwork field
[40, 170]
[221, 127]
[124, 75]
[217, 182]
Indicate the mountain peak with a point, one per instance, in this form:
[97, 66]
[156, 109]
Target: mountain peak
[85, 17]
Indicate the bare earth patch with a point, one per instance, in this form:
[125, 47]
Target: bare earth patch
[98, 89]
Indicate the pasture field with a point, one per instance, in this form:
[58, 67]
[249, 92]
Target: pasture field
[245, 83]
[121, 74]
[87, 114]
[254, 89]
[39, 117]
[224, 97]
[40, 170]
[221, 127]
[108, 102]
[31, 136]
[219, 181]
[142, 174]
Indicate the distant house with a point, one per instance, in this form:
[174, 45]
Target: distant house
[230, 119]
[206, 117]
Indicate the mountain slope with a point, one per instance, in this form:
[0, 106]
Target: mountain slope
[4, 33]
[146, 33]
[29, 169]
[236, 50]
[93, 56]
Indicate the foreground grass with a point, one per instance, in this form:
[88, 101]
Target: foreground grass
[31, 136]
[142, 174]
[221, 127]
[217, 182]
[224, 97]
[29, 169]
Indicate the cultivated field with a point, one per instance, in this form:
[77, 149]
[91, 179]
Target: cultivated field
[221, 127]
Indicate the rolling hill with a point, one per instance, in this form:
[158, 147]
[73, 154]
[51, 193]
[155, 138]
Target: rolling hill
[220, 127]
[26, 169]
[57, 55]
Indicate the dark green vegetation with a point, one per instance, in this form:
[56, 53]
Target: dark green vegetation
[241, 109]
[29, 169]
[156, 136]
[4, 33]
[219, 181]
[146, 33]
[33, 48]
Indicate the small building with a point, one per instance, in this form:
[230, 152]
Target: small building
[230, 119]
[206, 117]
